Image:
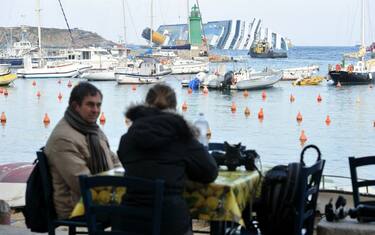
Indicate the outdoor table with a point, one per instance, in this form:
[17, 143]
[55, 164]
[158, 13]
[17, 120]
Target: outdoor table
[223, 200]
[345, 227]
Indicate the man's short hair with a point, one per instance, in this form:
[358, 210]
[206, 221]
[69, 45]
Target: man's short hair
[82, 90]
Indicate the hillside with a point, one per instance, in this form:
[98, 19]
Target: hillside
[52, 37]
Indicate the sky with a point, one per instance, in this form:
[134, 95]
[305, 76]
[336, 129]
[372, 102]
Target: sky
[305, 22]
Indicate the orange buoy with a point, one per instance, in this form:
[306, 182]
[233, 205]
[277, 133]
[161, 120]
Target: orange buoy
[3, 118]
[46, 119]
[1, 90]
[102, 119]
[328, 120]
[260, 114]
[264, 95]
[59, 81]
[319, 98]
[302, 137]
[34, 83]
[233, 107]
[338, 84]
[69, 84]
[245, 93]
[299, 117]
[292, 98]
[6, 92]
[59, 97]
[205, 90]
[247, 111]
[38, 94]
[184, 106]
[134, 87]
[190, 90]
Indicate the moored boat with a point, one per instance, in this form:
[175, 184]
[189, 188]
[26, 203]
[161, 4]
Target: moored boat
[6, 79]
[291, 74]
[359, 73]
[150, 71]
[246, 80]
[101, 75]
[183, 66]
[262, 49]
[312, 80]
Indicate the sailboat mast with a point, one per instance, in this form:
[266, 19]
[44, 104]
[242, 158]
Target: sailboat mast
[124, 21]
[188, 20]
[39, 29]
[152, 22]
[363, 24]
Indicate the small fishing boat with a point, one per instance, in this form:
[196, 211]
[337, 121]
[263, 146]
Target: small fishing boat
[99, 75]
[246, 79]
[183, 66]
[360, 73]
[6, 79]
[291, 74]
[150, 71]
[263, 49]
[312, 80]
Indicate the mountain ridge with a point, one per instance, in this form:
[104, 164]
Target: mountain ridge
[54, 37]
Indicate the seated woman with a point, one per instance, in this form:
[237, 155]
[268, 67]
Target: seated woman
[160, 144]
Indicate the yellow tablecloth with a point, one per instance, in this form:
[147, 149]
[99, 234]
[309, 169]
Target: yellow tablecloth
[222, 200]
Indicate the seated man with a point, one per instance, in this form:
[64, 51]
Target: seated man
[77, 146]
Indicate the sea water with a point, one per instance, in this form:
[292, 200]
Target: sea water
[276, 138]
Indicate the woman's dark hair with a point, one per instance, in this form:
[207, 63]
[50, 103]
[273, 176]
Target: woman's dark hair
[82, 90]
[161, 96]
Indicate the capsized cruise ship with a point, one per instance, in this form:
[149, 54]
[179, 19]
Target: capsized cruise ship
[227, 34]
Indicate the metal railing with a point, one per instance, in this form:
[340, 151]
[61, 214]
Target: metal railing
[323, 182]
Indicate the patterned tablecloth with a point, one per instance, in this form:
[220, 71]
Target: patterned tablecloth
[222, 200]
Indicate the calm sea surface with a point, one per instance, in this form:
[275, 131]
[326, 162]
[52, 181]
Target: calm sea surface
[276, 138]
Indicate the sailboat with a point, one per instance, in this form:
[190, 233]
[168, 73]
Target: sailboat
[58, 69]
[363, 72]
[151, 70]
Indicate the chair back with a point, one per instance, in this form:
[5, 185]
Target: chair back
[145, 220]
[308, 190]
[47, 183]
[354, 163]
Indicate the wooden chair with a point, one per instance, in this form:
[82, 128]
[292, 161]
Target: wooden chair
[143, 220]
[306, 203]
[354, 163]
[53, 222]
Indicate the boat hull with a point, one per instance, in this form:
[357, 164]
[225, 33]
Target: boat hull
[258, 83]
[99, 76]
[269, 54]
[352, 78]
[6, 79]
[130, 78]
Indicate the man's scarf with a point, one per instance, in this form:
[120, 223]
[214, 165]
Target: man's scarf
[97, 161]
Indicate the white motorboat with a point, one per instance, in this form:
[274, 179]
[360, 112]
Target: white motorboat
[291, 74]
[99, 75]
[56, 69]
[97, 58]
[182, 66]
[246, 79]
[149, 71]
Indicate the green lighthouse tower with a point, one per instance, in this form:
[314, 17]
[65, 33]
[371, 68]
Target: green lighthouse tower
[195, 27]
